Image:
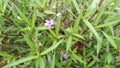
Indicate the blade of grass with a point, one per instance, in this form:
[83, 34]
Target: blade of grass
[33, 19]
[111, 29]
[51, 48]
[98, 18]
[113, 22]
[78, 58]
[42, 62]
[58, 26]
[77, 21]
[5, 54]
[43, 28]
[99, 46]
[76, 6]
[4, 6]
[78, 36]
[68, 43]
[53, 62]
[29, 42]
[22, 15]
[96, 58]
[53, 33]
[43, 3]
[92, 8]
[110, 40]
[16, 22]
[49, 12]
[116, 4]
[91, 64]
[89, 25]
[22, 60]
[109, 57]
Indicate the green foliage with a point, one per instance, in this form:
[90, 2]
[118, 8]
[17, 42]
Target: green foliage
[87, 32]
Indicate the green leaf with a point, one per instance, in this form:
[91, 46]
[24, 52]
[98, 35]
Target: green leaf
[110, 40]
[5, 54]
[4, 6]
[49, 12]
[43, 28]
[51, 48]
[42, 62]
[117, 57]
[96, 58]
[115, 5]
[98, 18]
[43, 3]
[109, 58]
[78, 58]
[29, 42]
[76, 6]
[77, 21]
[58, 26]
[22, 60]
[99, 46]
[92, 8]
[78, 35]
[110, 23]
[22, 15]
[68, 43]
[91, 63]
[53, 33]
[89, 25]
[33, 19]
[53, 62]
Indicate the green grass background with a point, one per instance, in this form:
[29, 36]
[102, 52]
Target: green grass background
[87, 31]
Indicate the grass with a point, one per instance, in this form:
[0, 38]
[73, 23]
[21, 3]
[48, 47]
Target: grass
[84, 34]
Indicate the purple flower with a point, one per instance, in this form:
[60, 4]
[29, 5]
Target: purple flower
[48, 23]
[63, 55]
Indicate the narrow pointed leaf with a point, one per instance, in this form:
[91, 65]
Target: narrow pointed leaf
[22, 60]
[89, 25]
[110, 40]
[51, 48]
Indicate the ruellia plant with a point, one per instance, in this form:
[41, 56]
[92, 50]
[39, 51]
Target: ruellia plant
[59, 33]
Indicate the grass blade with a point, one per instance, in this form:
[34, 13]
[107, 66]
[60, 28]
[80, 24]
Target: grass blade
[91, 64]
[22, 15]
[51, 48]
[53, 62]
[22, 60]
[89, 25]
[78, 58]
[92, 8]
[115, 20]
[29, 42]
[76, 25]
[5, 54]
[49, 12]
[68, 43]
[76, 6]
[43, 28]
[58, 26]
[42, 62]
[110, 40]
[109, 57]
[78, 36]
[99, 46]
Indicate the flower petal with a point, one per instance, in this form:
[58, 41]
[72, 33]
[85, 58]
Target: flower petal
[48, 23]
[51, 21]
[64, 55]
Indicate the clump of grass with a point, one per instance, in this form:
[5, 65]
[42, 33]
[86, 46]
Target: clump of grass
[59, 33]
